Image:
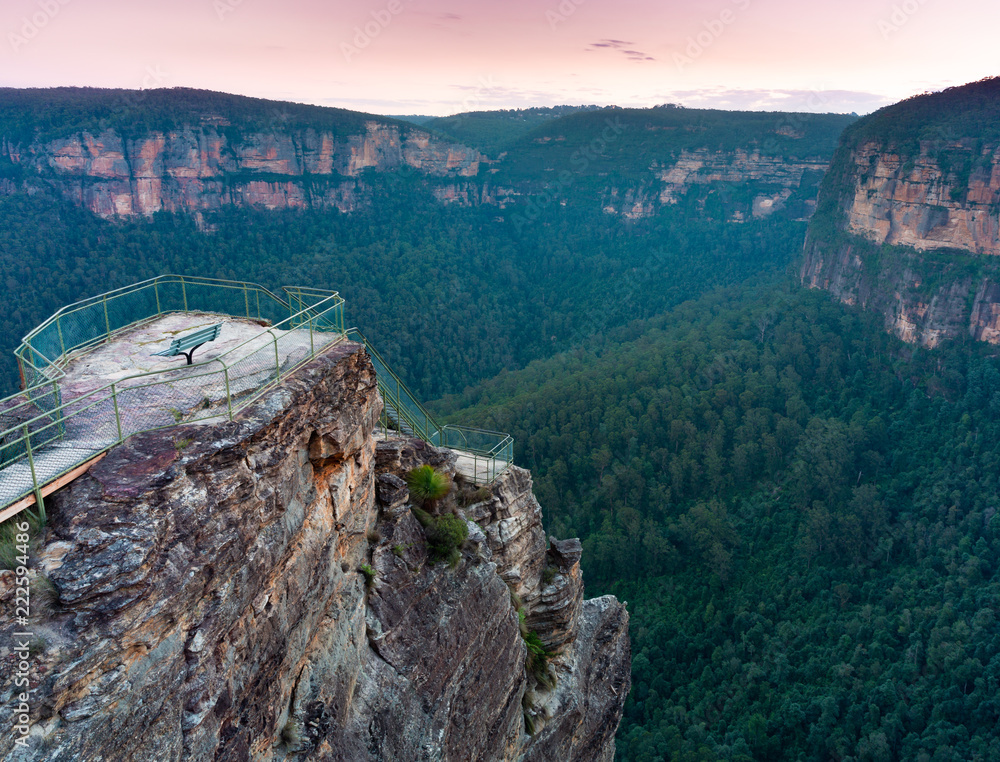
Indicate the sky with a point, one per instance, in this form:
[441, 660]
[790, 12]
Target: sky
[442, 57]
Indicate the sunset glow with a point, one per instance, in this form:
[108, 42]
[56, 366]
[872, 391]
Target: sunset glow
[442, 56]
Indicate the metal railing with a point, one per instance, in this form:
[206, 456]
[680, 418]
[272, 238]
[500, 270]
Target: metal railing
[43, 437]
[484, 455]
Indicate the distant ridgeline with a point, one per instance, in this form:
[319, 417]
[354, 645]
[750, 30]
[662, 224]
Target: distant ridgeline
[909, 216]
[132, 153]
[460, 260]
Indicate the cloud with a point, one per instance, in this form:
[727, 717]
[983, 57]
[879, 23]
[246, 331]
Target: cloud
[764, 99]
[623, 47]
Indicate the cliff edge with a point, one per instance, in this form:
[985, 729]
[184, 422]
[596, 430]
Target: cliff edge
[261, 589]
[908, 220]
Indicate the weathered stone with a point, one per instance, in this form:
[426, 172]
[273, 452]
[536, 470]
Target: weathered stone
[213, 605]
[197, 168]
[594, 676]
[566, 553]
[919, 204]
[391, 491]
[399, 455]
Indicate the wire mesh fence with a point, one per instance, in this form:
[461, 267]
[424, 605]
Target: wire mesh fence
[483, 455]
[43, 437]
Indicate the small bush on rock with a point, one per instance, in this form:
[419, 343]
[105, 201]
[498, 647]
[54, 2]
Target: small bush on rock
[428, 485]
[445, 535]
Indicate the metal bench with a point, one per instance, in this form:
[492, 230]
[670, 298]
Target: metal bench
[187, 344]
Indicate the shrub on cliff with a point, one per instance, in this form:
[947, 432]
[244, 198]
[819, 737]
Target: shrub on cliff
[428, 485]
[445, 535]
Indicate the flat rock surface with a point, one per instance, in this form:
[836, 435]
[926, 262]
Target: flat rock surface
[175, 393]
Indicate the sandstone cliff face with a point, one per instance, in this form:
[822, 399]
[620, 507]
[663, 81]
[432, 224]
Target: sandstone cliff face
[203, 167]
[919, 207]
[210, 604]
[702, 167]
[778, 179]
[919, 204]
[952, 305]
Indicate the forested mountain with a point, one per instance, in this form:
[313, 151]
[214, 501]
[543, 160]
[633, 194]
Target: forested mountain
[493, 131]
[453, 295]
[42, 114]
[451, 272]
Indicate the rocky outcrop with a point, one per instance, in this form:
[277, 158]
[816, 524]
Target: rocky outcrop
[923, 302]
[914, 201]
[703, 167]
[774, 181]
[926, 296]
[909, 221]
[261, 590]
[209, 165]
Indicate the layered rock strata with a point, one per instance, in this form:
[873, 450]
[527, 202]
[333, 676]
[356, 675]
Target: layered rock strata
[917, 202]
[204, 167]
[940, 282]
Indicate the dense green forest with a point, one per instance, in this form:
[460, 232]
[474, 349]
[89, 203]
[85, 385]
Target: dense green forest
[801, 514]
[620, 142]
[56, 112]
[970, 112]
[451, 295]
[493, 131]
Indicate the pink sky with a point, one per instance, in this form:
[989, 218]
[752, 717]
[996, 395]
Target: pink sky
[445, 56]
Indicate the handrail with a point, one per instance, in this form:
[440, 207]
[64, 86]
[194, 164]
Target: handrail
[491, 452]
[33, 423]
[397, 393]
[33, 429]
[50, 368]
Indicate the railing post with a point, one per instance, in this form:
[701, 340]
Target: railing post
[184, 293]
[229, 395]
[277, 360]
[39, 500]
[62, 344]
[107, 322]
[118, 418]
[246, 299]
[156, 290]
[57, 410]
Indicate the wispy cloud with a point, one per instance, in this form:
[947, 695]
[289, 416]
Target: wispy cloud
[821, 101]
[622, 46]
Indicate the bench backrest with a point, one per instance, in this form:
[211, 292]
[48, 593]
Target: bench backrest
[198, 337]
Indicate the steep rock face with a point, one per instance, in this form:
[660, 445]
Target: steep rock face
[778, 179]
[908, 220]
[211, 605]
[920, 204]
[918, 207]
[704, 166]
[204, 167]
[921, 303]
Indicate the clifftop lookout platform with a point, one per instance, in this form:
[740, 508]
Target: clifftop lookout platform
[90, 377]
